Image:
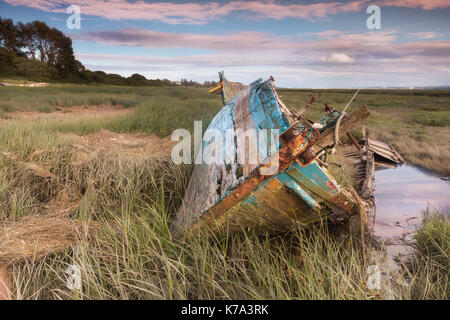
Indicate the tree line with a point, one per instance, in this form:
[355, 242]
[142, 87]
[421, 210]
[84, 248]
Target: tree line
[36, 42]
[38, 52]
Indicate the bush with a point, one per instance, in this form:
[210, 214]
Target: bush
[433, 238]
[432, 118]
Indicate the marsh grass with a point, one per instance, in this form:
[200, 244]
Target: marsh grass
[429, 270]
[163, 115]
[155, 110]
[46, 99]
[433, 239]
[134, 256]
[434, 118]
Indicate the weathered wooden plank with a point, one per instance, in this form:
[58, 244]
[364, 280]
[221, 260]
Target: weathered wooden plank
[397, 154]
[348, 122]
[384, 150]
[367, 188]
[355, 143]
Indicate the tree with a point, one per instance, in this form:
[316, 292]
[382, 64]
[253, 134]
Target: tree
[138, 77]
[37, 51]
[50, 44]
[9, 35]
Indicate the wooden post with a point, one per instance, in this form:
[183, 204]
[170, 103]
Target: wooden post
[355, 143]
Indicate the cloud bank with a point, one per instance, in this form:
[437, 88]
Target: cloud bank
[202, 13]
[366, 58]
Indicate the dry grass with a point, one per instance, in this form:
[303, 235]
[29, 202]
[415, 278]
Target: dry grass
[73, 112]
[429, 273]
[128, 145]
[428, 148]
[35, 237]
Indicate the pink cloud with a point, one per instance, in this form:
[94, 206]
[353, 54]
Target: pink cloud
[421, 4]
[330, 52]
[243, 40]
[201, 13]
[338, 58]
[235, 41]
[191, 13]
[424, 35]
[381, 44]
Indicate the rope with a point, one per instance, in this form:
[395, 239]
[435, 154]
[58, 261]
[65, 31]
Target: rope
[336, 129]
[307, 138]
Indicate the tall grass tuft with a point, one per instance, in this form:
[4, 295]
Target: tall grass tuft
[429, 268]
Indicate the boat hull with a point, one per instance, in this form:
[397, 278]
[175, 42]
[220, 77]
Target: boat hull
[235, 196]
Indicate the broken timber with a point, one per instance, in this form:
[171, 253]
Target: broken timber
[384, 150]
[232, 196]
[375, 154]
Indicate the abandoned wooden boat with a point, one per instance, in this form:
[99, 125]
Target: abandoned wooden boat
[237, 195]
[228, 89]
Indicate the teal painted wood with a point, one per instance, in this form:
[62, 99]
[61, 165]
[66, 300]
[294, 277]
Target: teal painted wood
[315, 179]
[312, 184]
[293, 185]
[255, 108]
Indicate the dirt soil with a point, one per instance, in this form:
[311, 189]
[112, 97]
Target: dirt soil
[34, 84]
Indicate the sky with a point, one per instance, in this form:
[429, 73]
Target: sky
[303, 44]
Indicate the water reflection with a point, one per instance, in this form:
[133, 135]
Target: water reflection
[401, 194]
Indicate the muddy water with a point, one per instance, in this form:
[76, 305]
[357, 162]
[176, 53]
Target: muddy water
[402, 193]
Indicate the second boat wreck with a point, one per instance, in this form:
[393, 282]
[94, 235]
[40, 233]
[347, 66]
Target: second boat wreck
[240, 194]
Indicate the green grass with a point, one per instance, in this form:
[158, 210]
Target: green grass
[434, 118]
[156, 110]
[163, 115]
[429, 269]
[60, 95]
[433, 239]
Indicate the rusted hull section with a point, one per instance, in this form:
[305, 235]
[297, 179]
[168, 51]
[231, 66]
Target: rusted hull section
[233, 196]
